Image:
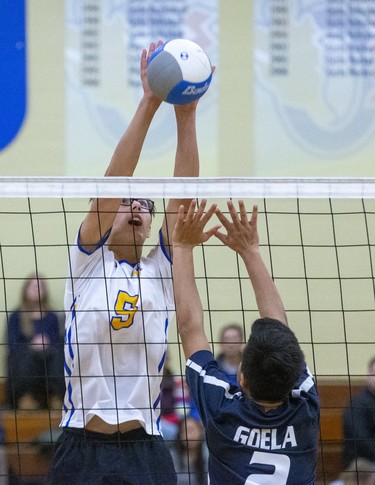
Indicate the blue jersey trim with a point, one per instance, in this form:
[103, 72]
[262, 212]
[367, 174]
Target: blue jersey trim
[98, 245]
[163, 248]
[208, 379]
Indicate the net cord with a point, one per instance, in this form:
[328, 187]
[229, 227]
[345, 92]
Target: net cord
[188, 187]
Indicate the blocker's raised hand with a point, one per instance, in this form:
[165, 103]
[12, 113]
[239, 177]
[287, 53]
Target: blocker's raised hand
[242, 233]
[189, 229]
[145, 56]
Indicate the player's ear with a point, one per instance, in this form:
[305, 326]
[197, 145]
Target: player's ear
[243, 382]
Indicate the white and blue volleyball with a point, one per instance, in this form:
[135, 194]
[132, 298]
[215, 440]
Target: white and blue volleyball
[179, 71]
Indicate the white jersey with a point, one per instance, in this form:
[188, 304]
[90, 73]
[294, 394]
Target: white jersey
[116, 330]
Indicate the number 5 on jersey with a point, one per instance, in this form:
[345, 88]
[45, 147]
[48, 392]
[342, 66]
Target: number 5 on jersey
[125, 308]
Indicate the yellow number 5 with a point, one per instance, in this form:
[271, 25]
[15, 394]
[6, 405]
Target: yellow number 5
[125, 308]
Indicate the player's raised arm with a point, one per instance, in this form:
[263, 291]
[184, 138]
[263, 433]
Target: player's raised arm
[242, 237]
[124, 159]
[188, 233]
[186, 159]
[186, 163]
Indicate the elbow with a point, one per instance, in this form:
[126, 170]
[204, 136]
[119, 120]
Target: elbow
[183, 327]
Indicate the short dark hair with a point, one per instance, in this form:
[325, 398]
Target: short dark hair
[272, 360]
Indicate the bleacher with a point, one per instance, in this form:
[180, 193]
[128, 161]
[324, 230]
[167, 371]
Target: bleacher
[24, 428]
[334, 397]
[24, 433]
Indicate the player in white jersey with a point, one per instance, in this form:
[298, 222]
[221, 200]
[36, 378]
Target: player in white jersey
[265, 431]
[119, 305]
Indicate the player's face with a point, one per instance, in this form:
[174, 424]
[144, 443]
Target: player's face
[134, 219]
[35, 290]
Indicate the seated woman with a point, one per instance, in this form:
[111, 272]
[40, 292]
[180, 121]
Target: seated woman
[35, 351]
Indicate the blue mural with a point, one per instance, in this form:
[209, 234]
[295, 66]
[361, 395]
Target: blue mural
[13, 82]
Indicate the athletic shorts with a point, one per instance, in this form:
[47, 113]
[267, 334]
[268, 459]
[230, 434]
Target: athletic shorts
[134, 458]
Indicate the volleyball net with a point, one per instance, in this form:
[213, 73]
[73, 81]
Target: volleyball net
[317, 237]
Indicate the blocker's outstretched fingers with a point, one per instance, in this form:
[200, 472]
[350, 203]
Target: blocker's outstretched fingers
[191, 211]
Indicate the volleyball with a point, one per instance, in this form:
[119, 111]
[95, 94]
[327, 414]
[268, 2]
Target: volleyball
[179, 71]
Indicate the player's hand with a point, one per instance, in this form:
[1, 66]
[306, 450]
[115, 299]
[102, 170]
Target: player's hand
[189, 229]
[145, 56]
[242, 233]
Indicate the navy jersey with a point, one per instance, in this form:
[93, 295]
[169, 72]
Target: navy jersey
[246, 444]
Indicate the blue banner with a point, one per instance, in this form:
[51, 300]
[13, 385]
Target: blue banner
[13, 83]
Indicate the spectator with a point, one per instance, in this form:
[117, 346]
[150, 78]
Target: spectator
[190, 452]
[175, 403]
[231, 344]
[168, 412]
[35, 352]
[359, 436]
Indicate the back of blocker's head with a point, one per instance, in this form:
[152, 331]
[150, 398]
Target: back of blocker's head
[272, 360]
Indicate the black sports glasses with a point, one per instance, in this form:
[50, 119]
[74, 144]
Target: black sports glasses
[146, 204]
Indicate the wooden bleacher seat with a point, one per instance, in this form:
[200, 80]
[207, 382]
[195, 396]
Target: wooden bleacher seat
[335, 396]
[25, 426]
[22, 428]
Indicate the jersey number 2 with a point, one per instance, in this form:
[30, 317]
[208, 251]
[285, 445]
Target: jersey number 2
[281, 463]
